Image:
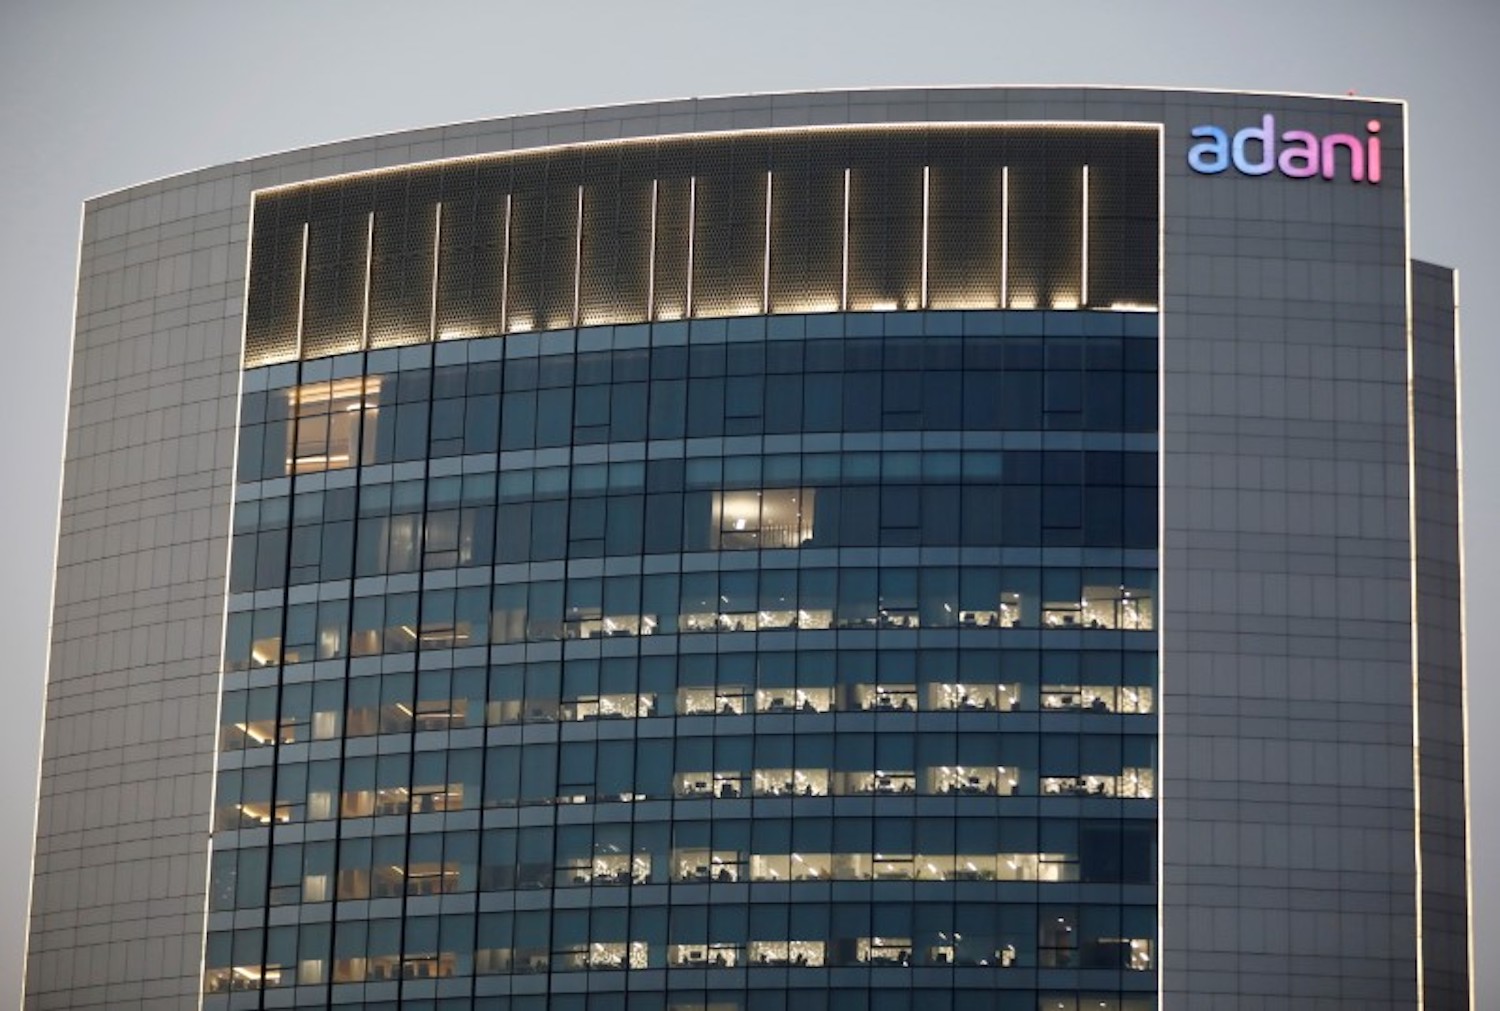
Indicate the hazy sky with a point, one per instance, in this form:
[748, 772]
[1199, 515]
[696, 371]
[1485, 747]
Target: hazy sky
[95, 96]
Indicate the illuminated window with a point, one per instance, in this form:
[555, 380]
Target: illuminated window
[335, 424]
[883, 698]
[717, 955]
[772, 518]
[973, 697]
[786, 953]
[696, 864]
[728, 700]
[971, 780]
[793, 700]
[882, 950]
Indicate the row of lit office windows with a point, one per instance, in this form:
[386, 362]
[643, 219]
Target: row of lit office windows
[932, 935]
[963, 997]
[690, 768]
[311, 711]
[733, 601]
[685, 851]
[775, 997]
[245, 798]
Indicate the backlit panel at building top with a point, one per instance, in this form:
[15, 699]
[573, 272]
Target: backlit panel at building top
[962, 217]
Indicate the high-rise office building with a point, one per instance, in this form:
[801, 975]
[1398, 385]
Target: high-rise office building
[981, 548]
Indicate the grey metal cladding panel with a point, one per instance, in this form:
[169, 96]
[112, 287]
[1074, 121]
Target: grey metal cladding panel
[1288, 794]
[116, 917]
[1440, 660]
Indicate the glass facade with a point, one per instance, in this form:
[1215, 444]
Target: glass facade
[722, 662]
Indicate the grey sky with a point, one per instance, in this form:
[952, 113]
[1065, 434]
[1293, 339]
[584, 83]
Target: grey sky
[99, 95]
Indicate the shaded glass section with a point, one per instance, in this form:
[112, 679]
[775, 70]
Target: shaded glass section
[803, 660]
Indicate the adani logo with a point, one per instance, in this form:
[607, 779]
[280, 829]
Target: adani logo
[1260, 150]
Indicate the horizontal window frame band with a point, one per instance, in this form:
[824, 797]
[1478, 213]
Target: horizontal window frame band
[692, 563]
[935, 325]
[645, 453]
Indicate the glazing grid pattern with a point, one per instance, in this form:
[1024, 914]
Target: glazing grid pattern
[943, 780]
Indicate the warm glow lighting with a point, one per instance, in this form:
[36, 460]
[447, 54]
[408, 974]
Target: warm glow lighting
[1005, 236]
[844, 296]
[505, 270]
[923, 297]
[1084, 285]
[687, 309]
[807, 307]
[1024, 302]
[437, 238]
[765, 292]
[578, 256]
[302, 290]
[364, 326]
[926, 203]
[255, 735]
[651, 263]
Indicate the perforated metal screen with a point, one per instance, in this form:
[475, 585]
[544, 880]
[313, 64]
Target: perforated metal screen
[878, 219]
